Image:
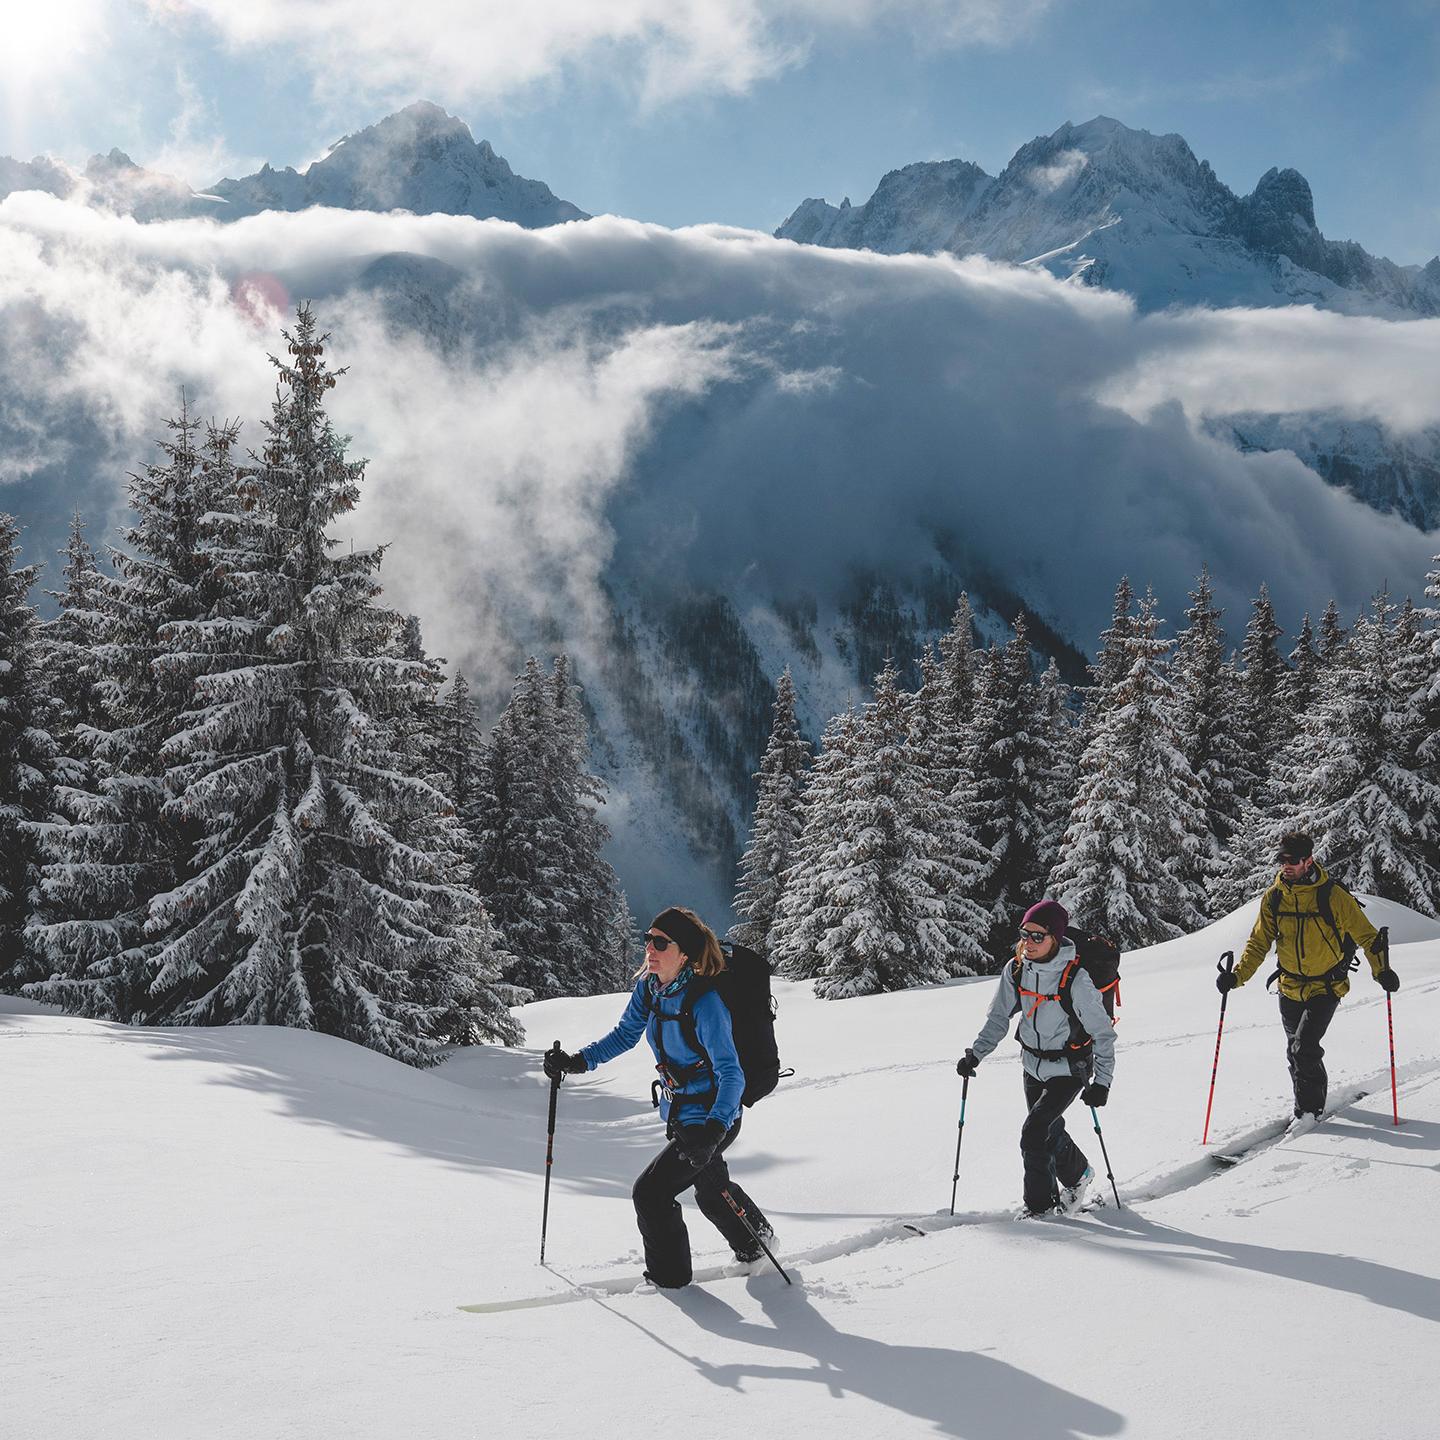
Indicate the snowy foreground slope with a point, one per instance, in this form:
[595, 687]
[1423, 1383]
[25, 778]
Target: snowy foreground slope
[260, 1233]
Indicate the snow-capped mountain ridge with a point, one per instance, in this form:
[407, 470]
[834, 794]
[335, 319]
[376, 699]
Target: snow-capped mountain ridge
[421, 159]
[1107, 205]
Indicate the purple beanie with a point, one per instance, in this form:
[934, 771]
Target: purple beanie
[1050, 915]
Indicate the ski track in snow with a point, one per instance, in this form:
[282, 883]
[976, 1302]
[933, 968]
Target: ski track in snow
[1213, 1164]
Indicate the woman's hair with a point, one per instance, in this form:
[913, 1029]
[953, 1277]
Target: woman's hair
[711, 958]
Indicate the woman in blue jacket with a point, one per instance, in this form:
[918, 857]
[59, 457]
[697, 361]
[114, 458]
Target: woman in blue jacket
[699, 1089]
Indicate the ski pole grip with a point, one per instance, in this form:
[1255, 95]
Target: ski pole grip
[555, 1049]
[1226, 962]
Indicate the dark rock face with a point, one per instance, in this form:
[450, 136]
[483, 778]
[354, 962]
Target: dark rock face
[1278, 218]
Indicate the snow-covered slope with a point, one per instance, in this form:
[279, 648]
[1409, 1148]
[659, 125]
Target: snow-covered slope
[236, 1233]
[420, 159]
[1121, 208]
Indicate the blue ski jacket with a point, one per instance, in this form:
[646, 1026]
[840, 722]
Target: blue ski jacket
[717, 1089]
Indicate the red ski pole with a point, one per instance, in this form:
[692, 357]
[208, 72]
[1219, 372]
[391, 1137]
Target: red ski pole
[1390, 1023]
[1225, 965]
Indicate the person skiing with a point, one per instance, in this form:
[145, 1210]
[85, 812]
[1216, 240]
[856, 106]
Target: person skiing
[1058, 1063]
[700, 1092]
[1314, 923]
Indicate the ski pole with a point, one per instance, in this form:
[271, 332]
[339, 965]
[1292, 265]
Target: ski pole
[1109, 1173]
[1225, 964]
[959, 1140]
[549, 1149]
[744, 1219]
[1390, 1023]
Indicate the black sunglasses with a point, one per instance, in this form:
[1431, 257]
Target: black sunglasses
[1034, 936]
[658, 943]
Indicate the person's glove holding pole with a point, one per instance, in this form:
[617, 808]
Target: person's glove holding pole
[557, 1064]
[1225, 982]
[965, 1068]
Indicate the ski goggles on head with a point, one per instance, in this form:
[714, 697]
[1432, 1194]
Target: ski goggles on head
[1034, 937]
[658, 943]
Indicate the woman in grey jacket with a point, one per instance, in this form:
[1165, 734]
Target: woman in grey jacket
[1057, 1067]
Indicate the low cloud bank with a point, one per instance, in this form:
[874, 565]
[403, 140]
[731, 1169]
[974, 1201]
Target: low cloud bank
[611, 401]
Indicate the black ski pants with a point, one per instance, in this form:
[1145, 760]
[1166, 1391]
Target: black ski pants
[1051, 1157]
[662, 1226]
[1306, 1022]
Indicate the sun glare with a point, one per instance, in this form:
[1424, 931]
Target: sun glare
[41, 39]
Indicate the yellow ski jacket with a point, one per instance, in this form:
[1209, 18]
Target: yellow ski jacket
[1307, 946]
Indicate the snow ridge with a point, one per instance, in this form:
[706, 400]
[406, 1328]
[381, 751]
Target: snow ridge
[1102, 204]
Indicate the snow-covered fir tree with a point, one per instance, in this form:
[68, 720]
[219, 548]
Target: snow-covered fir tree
[93, 937]
[1423, 719]
[28, 755]
[1204, 684]
[538, 861]
[1110, 662]
[1352, 778]
[805, 911]
[959, 679]
[1262, 729]
[72, 638]
[886, 880]
[1261, 723]
[1332, 635]
[459, 750]
[938, 751]
[1058, 760]
[600, 934]
[1012, 813]
[775, 823]
[1137, 826]
[1300, 683]
[325, 889]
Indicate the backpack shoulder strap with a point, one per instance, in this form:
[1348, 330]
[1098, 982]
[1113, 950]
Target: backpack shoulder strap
[698, 986]
[1062, 990]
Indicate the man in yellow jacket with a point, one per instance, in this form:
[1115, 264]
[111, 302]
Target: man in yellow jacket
[1315, 925]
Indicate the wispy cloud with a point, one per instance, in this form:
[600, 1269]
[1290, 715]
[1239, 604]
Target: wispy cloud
[195, 148]
[1329, 52]
[476, 50]
[1068, 164]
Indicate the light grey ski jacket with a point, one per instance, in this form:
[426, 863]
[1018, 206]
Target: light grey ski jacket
[1044, 1025]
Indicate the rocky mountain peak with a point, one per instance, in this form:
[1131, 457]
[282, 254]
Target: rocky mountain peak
[103, 166]
[421, 159]
[1283, 197]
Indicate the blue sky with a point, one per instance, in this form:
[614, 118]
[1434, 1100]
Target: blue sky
[681, 111]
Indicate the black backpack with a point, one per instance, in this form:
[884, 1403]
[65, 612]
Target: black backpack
[744, 986]
[1099, 957]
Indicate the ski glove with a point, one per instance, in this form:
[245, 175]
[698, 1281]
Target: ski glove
[1095, 1094]
[967, 1064]
[697, 1143]
[1225, 981]
[558, 1063]
[1388, 980]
